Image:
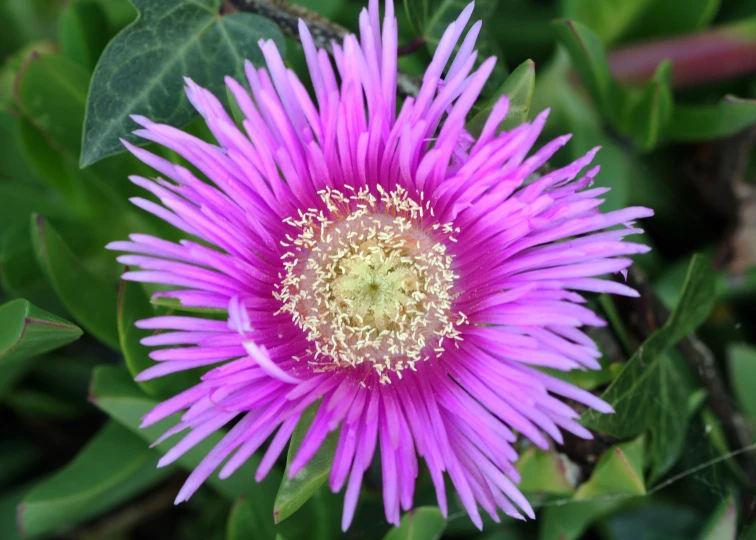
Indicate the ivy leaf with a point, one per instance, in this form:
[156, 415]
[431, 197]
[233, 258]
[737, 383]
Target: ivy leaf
[141, 71]
[544, 472]
[25, 333]
[424, 523]
[294, 492]
[618, 471]
[112, 468]
[519, 88]
[655, 370]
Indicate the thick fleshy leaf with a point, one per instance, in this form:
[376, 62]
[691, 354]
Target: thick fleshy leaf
[9, 501]
[141, 70]
[742, 368]
[133, 305]
[608, 18]
[17, 456]
[619, 471]
[112, 468]
[658, 520]
[294, 492]
[83, 32]
[19, 272]
[244, 522]
[519, 88]
[546, 472]
[91, 301]
[25, 333]
[424, 523]
[589, 60]
[647, 117]
[723, 522]
[51, 93]
[655, 370]
[119, 397]
[579, 117]
[568, 521]
[430, 18]
[702, 122]
[176, 305]
[668, 18]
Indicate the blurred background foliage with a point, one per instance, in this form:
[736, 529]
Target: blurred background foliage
[666, 88]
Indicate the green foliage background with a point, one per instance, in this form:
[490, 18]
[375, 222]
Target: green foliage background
[73, 463]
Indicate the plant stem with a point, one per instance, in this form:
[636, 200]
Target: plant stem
[706, 57]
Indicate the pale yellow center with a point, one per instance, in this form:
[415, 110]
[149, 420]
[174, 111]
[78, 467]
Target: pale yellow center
[368, 283]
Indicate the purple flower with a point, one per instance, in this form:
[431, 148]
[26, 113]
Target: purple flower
[411, 277]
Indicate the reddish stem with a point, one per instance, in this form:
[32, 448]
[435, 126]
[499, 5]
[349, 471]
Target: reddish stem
[411, 47]
[709, 56]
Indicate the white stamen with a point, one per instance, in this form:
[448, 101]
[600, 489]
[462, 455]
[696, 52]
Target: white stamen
[369, 282]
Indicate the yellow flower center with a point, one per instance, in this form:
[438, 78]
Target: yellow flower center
[369, 283]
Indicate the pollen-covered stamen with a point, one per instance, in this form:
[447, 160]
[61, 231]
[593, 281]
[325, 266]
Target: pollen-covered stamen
[369, 282]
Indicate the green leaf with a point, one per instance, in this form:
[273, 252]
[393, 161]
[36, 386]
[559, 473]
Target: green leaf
[655, 370]
[83, 32]
[112, 468]
[175, 304]
[545, 472]
[619, 471]
[703, 122]
[294, 492]
[35, 405]
[656, 520]
[25, 333]
[608, 18]
[244, 522]
[650, 114]
[20, 275]
[570, 520]
[589, 60]
[430, 18]
[51, 95]
[519, 88]
[424, 523]
[24, 22]
[572, 112]
[742, 369]
[89, 299]
[133, 305]
[661, 19]
[723, 522]
[117, 395]
[17, 456]
[9, 501]
[141, 70]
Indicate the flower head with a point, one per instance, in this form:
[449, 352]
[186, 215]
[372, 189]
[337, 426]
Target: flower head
[411, 277]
